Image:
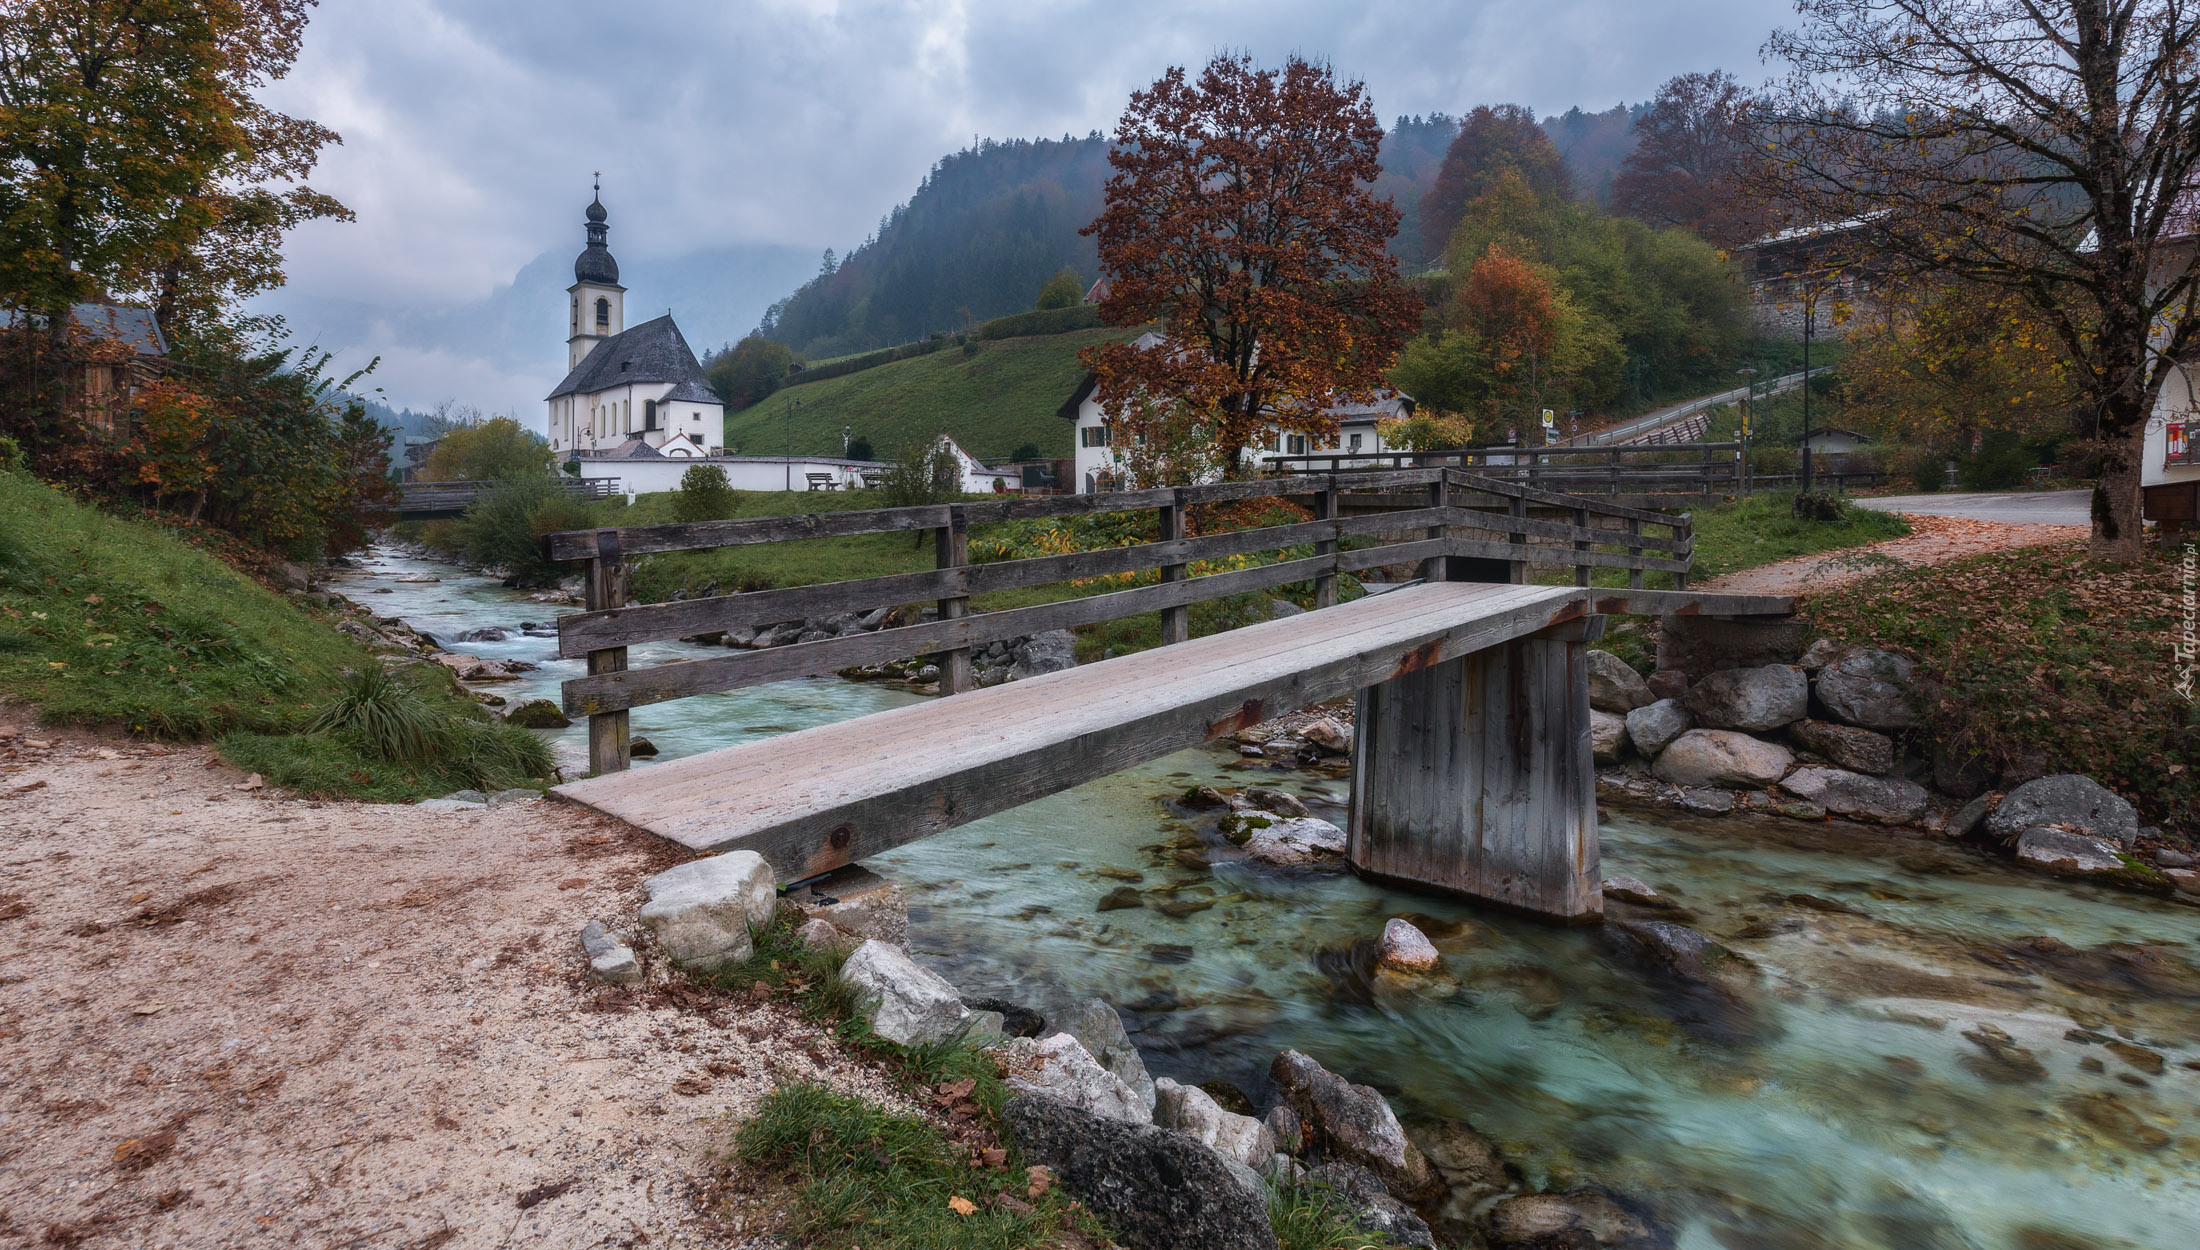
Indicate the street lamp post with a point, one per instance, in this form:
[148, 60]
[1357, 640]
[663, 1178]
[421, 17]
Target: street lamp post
[1749, 401]
[792, 404]
[847, 435]
[1810, 318]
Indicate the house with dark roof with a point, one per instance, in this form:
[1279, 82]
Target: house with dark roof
[1100, 466]
[118, 349]
[626, 388]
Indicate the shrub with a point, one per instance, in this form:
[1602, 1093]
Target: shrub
[387, 717]
[1925, 468]
[11, 455]
[1064, 290]
[921, 473]
[1772, 461]
[2001, 462]
[704, 495]
[504, 528]
[1041, 321]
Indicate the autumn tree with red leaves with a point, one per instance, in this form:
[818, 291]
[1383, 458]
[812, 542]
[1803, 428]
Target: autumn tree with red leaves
[1687, 166]
[1239, 218]
[1492, 140]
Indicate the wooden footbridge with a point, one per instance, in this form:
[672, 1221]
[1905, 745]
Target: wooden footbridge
[1471, 768]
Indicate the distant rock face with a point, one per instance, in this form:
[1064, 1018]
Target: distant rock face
[701, 911]
[1407, 949]
[905, 1004]
[1720, 757]
[1653, 726]
[1060, 1068]
[1189, 1109]
[1870, 688]
[1750, 698]
[2072, 801]
[1156, 1189]
[1887, 800]
[1355, 1123]
[1614, 686]
[1858, 750]
[1607, 736]
[2071, 854]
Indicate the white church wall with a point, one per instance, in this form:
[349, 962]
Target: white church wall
[772, 473]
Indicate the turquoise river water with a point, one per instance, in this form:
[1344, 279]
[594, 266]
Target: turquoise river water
[1835, 1101]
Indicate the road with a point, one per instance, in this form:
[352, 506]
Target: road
[2039, 507]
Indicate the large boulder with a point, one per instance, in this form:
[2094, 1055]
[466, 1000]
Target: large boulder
[1870, 688]
[1887, 800]
[1354, 1124]
[1653, 726]
[1156, 1189]
[1098, 1027]
[537, 714]
[1721, 757]
[1585, 1220]
[1050, 652]
[1190, 1109]
[701, 912]
[1607, 736]
[2070, 854]
[1858, 750]
[904, 1003]
[1614, 686]
[1300, 842]
[1750, 698]
[2069, 801]
[1060, 1068]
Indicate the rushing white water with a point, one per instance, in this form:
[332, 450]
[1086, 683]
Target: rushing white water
[1835, 1101]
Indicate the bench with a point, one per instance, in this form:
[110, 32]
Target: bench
[822, 481]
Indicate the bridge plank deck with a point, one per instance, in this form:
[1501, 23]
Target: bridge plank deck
[816, 799]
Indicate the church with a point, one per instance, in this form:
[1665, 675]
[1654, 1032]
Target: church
[630, 394]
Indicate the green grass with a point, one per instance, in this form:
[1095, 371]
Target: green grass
[112, 621]
[1759, 530]
[991, 401]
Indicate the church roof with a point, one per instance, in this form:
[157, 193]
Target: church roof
[653, 351]
[633, 449]
[595, 263]
[691, 391]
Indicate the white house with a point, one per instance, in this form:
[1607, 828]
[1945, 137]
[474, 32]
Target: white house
[1832, 441]
[2169, 472]
[622, 384]
[1100, 467]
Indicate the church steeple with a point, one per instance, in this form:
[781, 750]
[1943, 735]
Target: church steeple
[597, 303]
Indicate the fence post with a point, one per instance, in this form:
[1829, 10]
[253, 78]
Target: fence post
[1685, 528]
[1436, 568]
[1614, 491]
[1581, 522]
[1325, 509]
[1176, 623]
[608, 740]
[1519, 538]
[1634, 554]
[953, 543]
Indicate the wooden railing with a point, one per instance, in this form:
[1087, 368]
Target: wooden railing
[452, 498]
[1680, 468]
[1506, 540]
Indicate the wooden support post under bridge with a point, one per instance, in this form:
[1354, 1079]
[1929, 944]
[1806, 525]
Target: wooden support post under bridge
[1474, 777]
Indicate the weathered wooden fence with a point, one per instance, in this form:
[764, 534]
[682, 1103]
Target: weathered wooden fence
[422, 500]
[1472, 527]
[1676, 469]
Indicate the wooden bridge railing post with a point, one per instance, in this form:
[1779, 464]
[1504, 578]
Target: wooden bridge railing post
[1435, 568]
[608, 740]
[1176, 623]
[1325, 509]
[1581, 522]
[1519, 538]
[953, 544]
[1685, 528]
[1634, 553]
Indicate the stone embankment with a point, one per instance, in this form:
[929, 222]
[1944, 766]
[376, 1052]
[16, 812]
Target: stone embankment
[1164, 1164]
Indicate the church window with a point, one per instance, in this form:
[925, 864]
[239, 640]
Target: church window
[603, 311]
[1093, 436]
[649, 414]
[576, 314]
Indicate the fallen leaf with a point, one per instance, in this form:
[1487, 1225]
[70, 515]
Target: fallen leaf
[572, 883]
[691, 1085]
[962, 1206]
[139, 898]
[995, 1158]
[543, 1193]
[1041, 1181]
[110, 755]
[141, 1152]
[253, 782]
[1014, 1205]
[153, 1010]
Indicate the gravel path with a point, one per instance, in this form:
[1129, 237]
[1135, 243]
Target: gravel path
[1935, 540]
[229, 1018]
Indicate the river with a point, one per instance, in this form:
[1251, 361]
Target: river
[1936, 1052]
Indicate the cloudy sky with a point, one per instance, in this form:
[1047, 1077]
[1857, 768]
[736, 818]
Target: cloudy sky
[738, 140]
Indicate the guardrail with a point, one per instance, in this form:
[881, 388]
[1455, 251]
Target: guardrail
[1595, 534]
[1649, 427]
[452, 498]
[1689, 468]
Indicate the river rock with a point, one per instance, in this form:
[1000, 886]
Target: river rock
[2071, 801]
[1156, 1189]
[1819, 654]
[1607, 736]
[1653, 726]
[641, 748]
[905, 1004]
[1686, 953]
[1407, 949]
[1373, 1208]
[1300, 842]
[1614, 686]
[1870, 688]
[1354, 1124]
[1285, 1127]
[2174, 859]
[2186, 880]
[1887, 800]
[1858, 750]
[1465, 1159]
[1632, 890]
[824, 935]
[1722, 757]
[1273, 801]
[537, 714]
[1583, 1220]
[856, 900]
[2071, 854]
[1059, 1067]
[1190, 1109]
[488, 633]
[1706, 801]
[1667, 683]
[1098, 1027]
[1325, 733]
[700, 912]
[1050, 652]
[1750, 698]
[609, 959]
